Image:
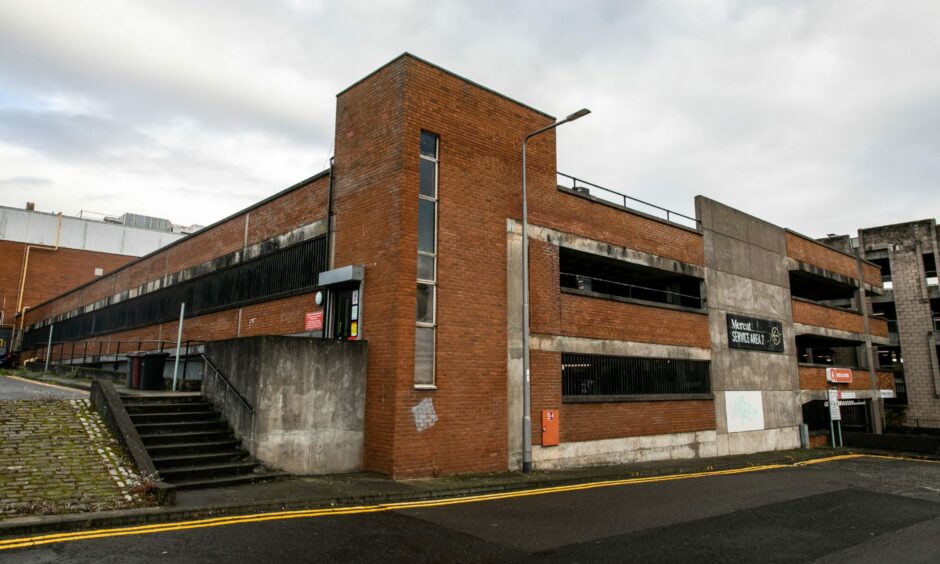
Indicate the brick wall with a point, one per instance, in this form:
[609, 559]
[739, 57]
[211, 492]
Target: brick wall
[817, 254]
[814, 378]
[823, 316]
[50, 273]
[566, 212]
[377, 164]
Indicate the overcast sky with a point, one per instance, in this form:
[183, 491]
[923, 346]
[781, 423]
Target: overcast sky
[819, 116]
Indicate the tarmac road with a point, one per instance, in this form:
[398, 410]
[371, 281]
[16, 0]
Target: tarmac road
[20, 389]
[857, 510]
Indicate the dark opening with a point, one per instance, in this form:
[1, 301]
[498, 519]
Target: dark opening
[930, 268]
[885, 266]
[597, 275]
[278, 274]
[818, 288]
[888, 312]
[601, 376]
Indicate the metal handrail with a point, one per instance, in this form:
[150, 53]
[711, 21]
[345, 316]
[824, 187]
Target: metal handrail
[238, 394]
[669, 213]
[632, 287]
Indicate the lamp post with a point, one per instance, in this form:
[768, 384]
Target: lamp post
[526, 381]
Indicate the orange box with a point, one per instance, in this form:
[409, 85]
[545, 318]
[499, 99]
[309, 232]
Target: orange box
[549, 427]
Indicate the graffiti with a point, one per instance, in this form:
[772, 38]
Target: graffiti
[424, 414]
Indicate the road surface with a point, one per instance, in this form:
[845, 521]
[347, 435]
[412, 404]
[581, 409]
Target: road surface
[19, 389]
[857, 510]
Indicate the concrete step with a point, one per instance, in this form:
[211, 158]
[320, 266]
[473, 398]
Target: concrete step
[144, 418]
[173, 407]
[229, 481]
[162, 398]
[208, 471]
[185, 437]
[194, 447]
[180, 426]
[200, 459]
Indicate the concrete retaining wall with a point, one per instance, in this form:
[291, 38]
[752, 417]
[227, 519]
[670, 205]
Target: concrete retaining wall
[308, 396]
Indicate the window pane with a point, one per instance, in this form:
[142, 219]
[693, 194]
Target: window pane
[426, 210]
[424, 355]
[425, 267]
[428, 144]
[427, 178]
[425, 300]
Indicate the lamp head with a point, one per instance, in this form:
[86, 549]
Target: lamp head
[578, 114]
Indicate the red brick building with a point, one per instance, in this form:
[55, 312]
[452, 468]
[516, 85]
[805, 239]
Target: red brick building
[651, 336]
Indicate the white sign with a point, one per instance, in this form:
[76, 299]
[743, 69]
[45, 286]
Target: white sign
[745, 411]
[888, 394]
[834, 412]
[847, 395]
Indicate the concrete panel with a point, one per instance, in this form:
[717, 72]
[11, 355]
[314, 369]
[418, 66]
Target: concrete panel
[558, 343]
[769, 267]
[627, 450]
[734, 293]
[728, 254]
[308, 396]
[720, 218]
[766, 236]
[514, 346]
[771, 301]
[782, 409]
[762, 441]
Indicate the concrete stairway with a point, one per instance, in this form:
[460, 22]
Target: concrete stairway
[190, 444]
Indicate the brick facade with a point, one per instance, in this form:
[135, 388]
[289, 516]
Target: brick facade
[375, 181]
[49, 274]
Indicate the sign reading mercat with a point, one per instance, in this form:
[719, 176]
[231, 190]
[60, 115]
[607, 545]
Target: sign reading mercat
[755, 334]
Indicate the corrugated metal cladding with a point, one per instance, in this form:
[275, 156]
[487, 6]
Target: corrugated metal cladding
[38, 228]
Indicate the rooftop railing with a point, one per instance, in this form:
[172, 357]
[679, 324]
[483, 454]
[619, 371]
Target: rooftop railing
[590, 189]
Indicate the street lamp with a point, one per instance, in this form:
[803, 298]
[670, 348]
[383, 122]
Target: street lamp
[526, 381]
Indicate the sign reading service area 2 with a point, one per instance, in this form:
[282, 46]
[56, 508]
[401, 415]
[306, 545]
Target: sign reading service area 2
[754, 334]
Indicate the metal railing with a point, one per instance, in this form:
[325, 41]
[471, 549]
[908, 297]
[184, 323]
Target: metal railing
[98, 354]
[583, 186]
[231, 387]
[589, 375]
[630, 291]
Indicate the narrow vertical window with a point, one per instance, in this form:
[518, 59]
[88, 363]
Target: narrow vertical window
[425, 319]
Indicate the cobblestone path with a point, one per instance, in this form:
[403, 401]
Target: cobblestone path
[56, 456]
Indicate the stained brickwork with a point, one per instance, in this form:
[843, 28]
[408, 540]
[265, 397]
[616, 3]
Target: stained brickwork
[812, 252]
[814, 378]
[829, 317]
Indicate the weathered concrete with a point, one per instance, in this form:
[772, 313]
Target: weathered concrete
[308, 397]
[514, 346]
[627, 450]
[559, 343]
[746, 272]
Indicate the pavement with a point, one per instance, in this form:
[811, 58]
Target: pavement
[842, 509]
[16, 388]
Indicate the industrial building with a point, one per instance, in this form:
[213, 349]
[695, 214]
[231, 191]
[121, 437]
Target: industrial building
[43, 254]
[907, 254]
[652, 334]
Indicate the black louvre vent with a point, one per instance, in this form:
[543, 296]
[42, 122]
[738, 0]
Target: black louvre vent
[286, 272]
[599, 376]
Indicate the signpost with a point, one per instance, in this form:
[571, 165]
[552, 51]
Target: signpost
[755, 334]
[834, 415]
[839, 375]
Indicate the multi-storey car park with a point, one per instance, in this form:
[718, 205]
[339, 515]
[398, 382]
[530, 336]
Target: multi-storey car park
[907, 254]
[653, 335]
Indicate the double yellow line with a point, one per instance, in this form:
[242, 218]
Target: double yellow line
[27, 542]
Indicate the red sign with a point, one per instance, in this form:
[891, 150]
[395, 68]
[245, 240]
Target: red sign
[313, 321]
[839, 375]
